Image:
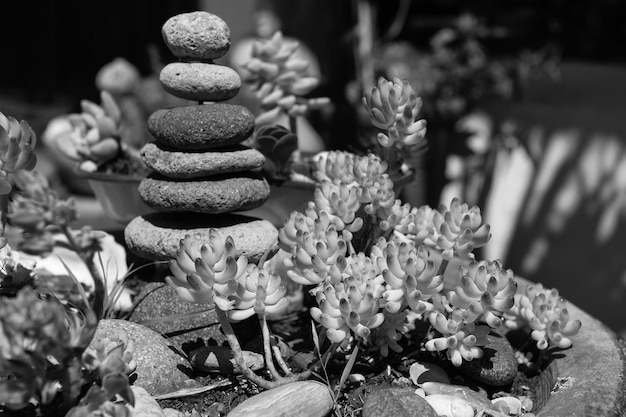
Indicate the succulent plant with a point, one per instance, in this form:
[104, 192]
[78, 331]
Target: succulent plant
[16, 271]
[259, 292]
[410, 276]
[351, 304]
[17, 149]
[38, 212]
[459, 339]
[459, 230]
[206, 270]
[486, 290]
[394, 106]
[94, 138]
[41, 344]
[545, 312]
[278, 79]
[277, 144]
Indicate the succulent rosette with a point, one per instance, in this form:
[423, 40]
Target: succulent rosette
[410, 276]
[545, 311]
[487, 290]
[279, 79]
[17, 149]
[385, 337]
[91, 137]
[259, 292]
[460, 340]
[394, 106]
[458, 230]
[352, 305]
[205, 270]
[316, 257]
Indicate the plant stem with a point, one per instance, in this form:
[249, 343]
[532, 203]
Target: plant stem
[267, 349]
[98, 280]
[442, 267]
[4, 211]
[293, 125]
[243, 367]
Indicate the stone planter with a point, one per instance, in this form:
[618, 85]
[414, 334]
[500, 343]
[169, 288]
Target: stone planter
[117, 195]
[589, 379]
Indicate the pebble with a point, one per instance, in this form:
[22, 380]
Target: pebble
[188, 165]
[396, 402]
[475, 398]
[450, 406]
[199, 81]
[211, 195]
[497, 367]
[193, 324]
[507, 405]
[200, 35]
[159, 369]
[220, 359]
[201, 127]
[156, 236]
[421, 372]
[302, 398]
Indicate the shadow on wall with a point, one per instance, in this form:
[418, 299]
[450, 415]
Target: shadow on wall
[563, 208]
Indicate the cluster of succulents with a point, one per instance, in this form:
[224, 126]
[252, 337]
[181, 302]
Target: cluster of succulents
[365, 289]
[544, 311]
[44, 347]
[279, 79]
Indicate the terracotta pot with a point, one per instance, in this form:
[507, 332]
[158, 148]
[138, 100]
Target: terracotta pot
[117, 195]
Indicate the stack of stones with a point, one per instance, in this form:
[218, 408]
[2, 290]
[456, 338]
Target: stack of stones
[202, 172]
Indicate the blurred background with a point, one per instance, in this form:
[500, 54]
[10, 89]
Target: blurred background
[525, 104]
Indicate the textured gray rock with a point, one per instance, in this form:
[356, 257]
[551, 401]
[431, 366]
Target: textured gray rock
[199, 81]
[156, 236]
[211, 195]
[200, 35]
[396, 402]
[201, 127]
[160, 370]
[497, 367]
[159, 308]
[186, 165]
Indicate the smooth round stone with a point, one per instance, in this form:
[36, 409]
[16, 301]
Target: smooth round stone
[211, 195]
[199, 35]
[497, 367]
[184, 165]
[160, 370]
[157, 236]
[199, 81]
[396, 402]
[201, 127]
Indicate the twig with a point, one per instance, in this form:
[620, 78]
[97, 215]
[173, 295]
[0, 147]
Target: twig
[186, 392]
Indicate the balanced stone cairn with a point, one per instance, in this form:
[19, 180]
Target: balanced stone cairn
[202, 172]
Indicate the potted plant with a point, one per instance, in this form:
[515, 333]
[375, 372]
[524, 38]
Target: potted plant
[95, 139]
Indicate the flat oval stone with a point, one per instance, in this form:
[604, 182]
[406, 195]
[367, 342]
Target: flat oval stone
[177, 164]
[156, 235]
[199, 35]
[201, 127]
[200, 81]
[211, 195]
[396, 402]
